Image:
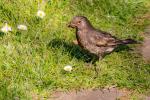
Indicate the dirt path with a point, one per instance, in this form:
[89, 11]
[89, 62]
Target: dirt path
[111, 94]
[146, 44]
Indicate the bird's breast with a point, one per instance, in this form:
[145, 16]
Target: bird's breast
[82, 39]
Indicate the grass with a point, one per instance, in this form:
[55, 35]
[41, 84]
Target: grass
[31, 62]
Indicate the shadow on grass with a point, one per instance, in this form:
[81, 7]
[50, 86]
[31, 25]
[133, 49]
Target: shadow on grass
[74, 50]
[77, 52]
[122, 48]
[2, 34]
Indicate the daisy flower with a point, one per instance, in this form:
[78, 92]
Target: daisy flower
[22, 27]
[6, 28]
[41, 14]
[68, 68]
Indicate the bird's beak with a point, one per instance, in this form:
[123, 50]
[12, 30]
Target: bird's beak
[69, 24]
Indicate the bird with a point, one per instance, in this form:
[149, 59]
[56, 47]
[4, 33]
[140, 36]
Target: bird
[95, 41]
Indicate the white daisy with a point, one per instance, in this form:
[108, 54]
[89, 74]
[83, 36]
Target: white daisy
[22, 27]
[6, 28]
[68, 68]
[41, 14]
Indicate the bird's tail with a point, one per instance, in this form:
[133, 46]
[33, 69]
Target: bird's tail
[129, 41]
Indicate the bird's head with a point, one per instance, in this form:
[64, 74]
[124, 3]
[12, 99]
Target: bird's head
[80, 22]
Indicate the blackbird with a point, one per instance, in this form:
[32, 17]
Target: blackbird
[95, 41]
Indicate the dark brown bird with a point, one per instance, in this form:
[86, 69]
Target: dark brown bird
[95, 41]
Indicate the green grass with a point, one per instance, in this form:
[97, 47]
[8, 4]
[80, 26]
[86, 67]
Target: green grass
[32, 62]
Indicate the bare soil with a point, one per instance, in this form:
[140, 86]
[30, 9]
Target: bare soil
[104, 94]
[145, 49]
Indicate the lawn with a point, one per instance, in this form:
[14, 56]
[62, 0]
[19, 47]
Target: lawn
[32, 61]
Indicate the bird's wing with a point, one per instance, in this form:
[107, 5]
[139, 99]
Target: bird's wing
[104, 39]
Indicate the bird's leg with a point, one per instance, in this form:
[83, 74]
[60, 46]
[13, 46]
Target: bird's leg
[95, 66]
[75, 42]
[96, 71]
[100, 57]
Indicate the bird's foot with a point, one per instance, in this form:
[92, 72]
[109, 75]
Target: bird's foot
[100, 58]
[88, 65]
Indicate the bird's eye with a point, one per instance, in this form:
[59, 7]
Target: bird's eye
[79, 22]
